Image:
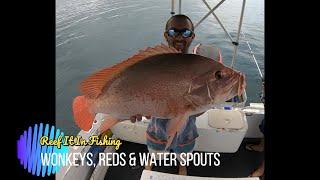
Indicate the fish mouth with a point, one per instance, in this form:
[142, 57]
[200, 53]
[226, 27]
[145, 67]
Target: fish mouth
[235, 86]
[242, 84]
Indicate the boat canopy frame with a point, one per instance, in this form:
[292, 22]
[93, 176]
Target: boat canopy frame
[235, 42]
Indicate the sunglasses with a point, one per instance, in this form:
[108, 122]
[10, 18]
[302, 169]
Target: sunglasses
[173, 32]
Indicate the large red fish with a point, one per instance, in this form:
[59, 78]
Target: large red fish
[159, 82]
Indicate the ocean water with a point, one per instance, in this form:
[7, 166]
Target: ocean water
[93, 34]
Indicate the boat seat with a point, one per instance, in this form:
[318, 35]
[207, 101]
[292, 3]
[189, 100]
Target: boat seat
[225, 119]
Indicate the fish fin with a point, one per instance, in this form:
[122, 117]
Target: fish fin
[82, 115]
[93, 85]
[174, 126]
[108, 122]
[169, 142]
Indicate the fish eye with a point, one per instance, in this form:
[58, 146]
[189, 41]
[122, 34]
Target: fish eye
[218, 75]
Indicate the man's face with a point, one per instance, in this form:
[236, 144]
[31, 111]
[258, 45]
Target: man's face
[178, 41]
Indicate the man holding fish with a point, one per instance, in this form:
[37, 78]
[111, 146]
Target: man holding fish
[179, 34]
[164, 83]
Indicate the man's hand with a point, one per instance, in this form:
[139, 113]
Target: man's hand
[137, 117]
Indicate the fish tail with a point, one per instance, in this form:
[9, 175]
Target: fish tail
[81, 113]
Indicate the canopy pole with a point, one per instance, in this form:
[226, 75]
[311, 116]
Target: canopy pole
[205, 2]
[179, 6]
[209, 13]
[236, 43]
[172, 8]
